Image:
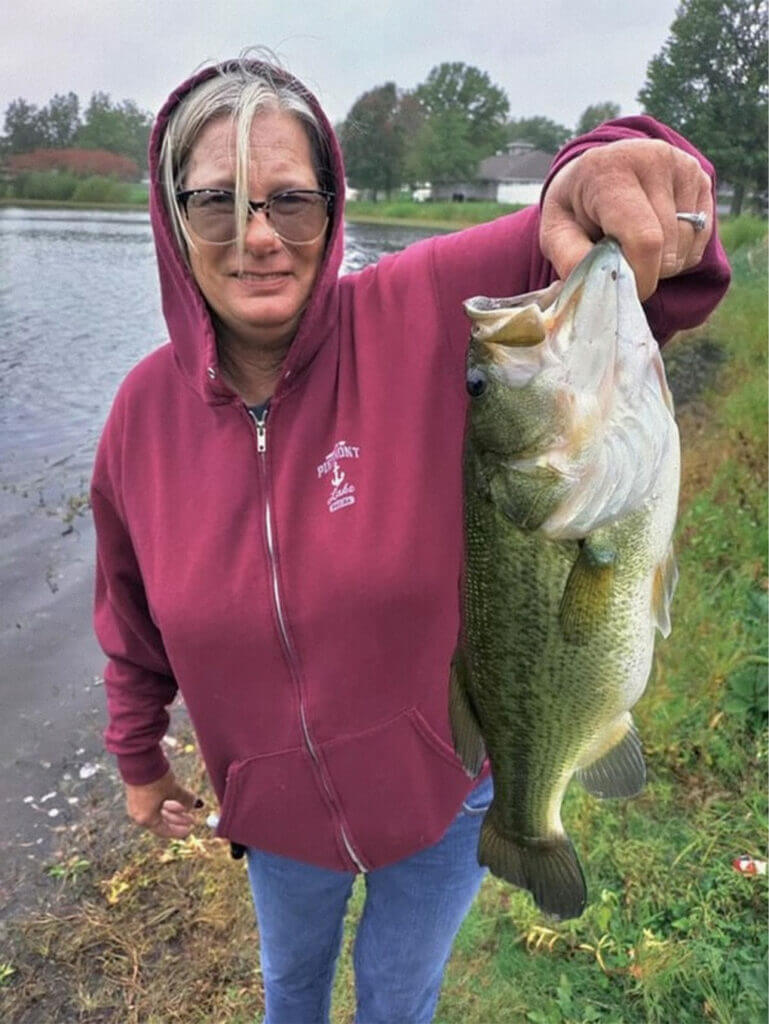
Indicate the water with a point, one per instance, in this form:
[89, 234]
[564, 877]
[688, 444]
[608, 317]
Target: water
[79, 306]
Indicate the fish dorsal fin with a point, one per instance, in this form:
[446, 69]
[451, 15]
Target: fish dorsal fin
[465, 730]
[615, 763]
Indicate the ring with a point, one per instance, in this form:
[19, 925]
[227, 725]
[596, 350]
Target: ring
[697, 220]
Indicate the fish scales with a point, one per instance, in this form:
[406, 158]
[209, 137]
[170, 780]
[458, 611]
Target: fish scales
[571, 480]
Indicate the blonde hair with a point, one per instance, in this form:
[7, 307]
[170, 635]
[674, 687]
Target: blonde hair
[241, 89]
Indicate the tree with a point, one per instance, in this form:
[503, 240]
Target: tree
[596, 114]
[410, 119]
[443, 149]
[709, 81]
[372, 140]
[120, 128]
[541, 132]
[25, 128]
[61, 118]
[456, 88]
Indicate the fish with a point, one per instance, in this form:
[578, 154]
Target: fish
[571, 477]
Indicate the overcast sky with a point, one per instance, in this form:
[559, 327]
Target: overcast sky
[552, 57]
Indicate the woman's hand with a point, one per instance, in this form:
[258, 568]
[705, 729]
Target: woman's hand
[631, 189]
[162, 807]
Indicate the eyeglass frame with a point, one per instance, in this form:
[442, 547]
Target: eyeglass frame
[254, 206]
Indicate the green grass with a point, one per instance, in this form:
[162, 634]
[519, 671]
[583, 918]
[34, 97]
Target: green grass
[433, 214]
[139, 932]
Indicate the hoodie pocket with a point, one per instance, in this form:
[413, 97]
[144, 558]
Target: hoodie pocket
[400, 786]
[274, 802]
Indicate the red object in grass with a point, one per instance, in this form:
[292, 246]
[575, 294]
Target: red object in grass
[748, 865]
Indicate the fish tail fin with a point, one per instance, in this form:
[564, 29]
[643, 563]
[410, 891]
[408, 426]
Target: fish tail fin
[465, 730]
[548, 868]
[616, 766]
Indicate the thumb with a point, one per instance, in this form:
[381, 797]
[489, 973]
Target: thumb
[564, 242]
[183, 796]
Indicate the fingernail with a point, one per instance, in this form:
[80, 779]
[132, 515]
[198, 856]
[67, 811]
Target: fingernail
[198, 803]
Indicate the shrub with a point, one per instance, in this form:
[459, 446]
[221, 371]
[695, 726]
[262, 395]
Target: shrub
[44, 185]
[101, 190]
[80, 162]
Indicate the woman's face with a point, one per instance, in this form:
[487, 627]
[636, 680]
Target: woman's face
[260, 302]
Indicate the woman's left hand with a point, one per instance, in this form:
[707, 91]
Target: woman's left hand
[631, 189]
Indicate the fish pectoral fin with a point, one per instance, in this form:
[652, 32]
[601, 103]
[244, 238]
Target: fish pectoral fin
[663, 588]
[587, 592]
[465, 730]
[548, 868]
[617, 767]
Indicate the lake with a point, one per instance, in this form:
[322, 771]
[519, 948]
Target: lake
[79, 306]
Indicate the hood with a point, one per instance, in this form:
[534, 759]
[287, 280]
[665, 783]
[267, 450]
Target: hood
[189, 322]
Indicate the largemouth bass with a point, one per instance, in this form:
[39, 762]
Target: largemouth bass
[572, 467]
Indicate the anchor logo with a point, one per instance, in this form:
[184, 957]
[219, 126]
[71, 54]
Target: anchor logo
[342, 489]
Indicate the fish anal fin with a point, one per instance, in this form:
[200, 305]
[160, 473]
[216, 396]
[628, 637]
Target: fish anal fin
[615, 764]
[548, 868]
[663, 588]
[587, 592]
[465, 730]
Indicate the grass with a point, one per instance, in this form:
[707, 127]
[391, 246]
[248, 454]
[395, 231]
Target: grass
[90, 194]
[135, 931]
[407, 213]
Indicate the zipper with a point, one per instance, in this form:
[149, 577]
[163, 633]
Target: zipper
[260, 422]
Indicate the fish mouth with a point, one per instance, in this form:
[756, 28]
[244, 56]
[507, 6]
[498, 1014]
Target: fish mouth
[597, 269]
[525, 320]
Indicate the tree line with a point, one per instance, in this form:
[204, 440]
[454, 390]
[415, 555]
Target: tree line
[120, 128]
[440, 130]
[709, 82]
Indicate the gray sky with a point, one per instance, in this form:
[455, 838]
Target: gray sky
[553, 62]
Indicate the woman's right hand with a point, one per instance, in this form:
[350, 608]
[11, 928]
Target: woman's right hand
[163, 807]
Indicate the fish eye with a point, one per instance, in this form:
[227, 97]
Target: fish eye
[476, 381]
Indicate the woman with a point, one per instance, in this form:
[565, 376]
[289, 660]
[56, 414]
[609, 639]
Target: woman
[277, 497]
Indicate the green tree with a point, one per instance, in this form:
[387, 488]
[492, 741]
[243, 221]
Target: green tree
[117, 127]
[541, 132]
[372, 140]
[709, 81]
[25, 127]
[455, 88]
[62, 119]
[596, 114]
[411, 120]
[443, 149]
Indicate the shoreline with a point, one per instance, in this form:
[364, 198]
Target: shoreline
[353, 217]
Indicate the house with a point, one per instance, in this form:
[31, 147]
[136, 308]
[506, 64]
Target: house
[515, 176]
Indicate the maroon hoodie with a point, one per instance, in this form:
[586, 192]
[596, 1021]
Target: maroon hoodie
[304, 597]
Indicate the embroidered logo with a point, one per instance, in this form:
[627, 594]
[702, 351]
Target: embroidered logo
[342, 489]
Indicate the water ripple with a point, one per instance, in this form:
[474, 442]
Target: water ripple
[79, 306]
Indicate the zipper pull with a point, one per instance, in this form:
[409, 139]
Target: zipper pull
[261, 430]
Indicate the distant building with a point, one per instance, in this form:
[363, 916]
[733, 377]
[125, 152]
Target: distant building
[515, 176]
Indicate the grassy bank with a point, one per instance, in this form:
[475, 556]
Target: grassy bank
[64, 188]
[136, 931]
[55, 204]
[437, 215]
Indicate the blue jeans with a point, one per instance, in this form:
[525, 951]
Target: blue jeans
[412, 912]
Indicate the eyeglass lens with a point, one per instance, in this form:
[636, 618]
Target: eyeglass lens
[295, 217]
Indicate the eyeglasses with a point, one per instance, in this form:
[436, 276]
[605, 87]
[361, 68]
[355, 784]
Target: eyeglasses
[299, 215]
